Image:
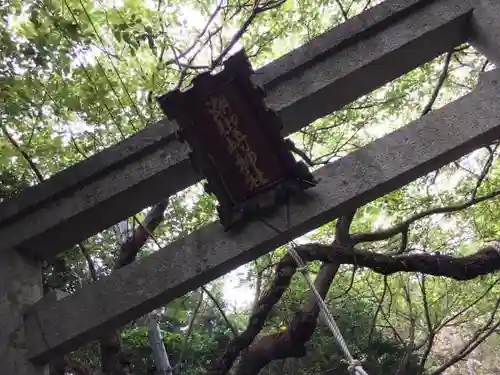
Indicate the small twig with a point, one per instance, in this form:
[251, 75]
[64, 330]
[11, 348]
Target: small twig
[221, 311]
[480, 336]
[394, 331]
[34, 168]
[342, 10]
[197, 39]
[237, 36]
[90, 262]
[485, 65]
[469, 306]
[404, 240]
[189, 331]
[486, 169]
[440, 83]
[405, 362]
[402, 227]
[301, 153]
[379, 306]
[430, 328]
[351, 284]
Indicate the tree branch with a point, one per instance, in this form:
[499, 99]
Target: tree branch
[469, 306]
[442, 79]
[113, 359]
[281, 281]
[237, 36]
[486, 169]
[483, 262]
[342, 10]
[34, 168]
[377, 311]
[90, 262]
[221, 310]
[430, 327]
[188, 333]
[403, 226]
[343, 227]
[130, 248]
[290, 343]
[405, 363]
[479, 336]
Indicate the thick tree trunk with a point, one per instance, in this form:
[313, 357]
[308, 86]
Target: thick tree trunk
[114, 362]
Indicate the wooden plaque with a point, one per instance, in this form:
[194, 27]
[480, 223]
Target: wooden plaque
[236, 142]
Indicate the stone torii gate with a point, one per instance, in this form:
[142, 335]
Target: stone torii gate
[322, 76]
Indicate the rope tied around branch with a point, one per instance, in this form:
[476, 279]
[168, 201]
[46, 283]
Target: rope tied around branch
[355, 368]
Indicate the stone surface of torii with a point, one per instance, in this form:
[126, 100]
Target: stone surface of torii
[20, 287]
[408, 34]
[200, 257]
[485, 30]
[347, 62]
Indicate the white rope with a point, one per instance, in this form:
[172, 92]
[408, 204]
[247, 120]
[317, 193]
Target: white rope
[495, 245]
[355, 367]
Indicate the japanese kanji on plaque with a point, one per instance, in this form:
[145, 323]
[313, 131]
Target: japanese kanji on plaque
[236, 142]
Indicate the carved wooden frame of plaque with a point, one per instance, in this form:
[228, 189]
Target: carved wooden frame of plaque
[236, 142]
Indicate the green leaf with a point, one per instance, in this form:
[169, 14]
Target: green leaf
[34, 18]
[126, 37]
[118, 35]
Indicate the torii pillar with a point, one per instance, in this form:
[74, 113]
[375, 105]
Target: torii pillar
[20, 287]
